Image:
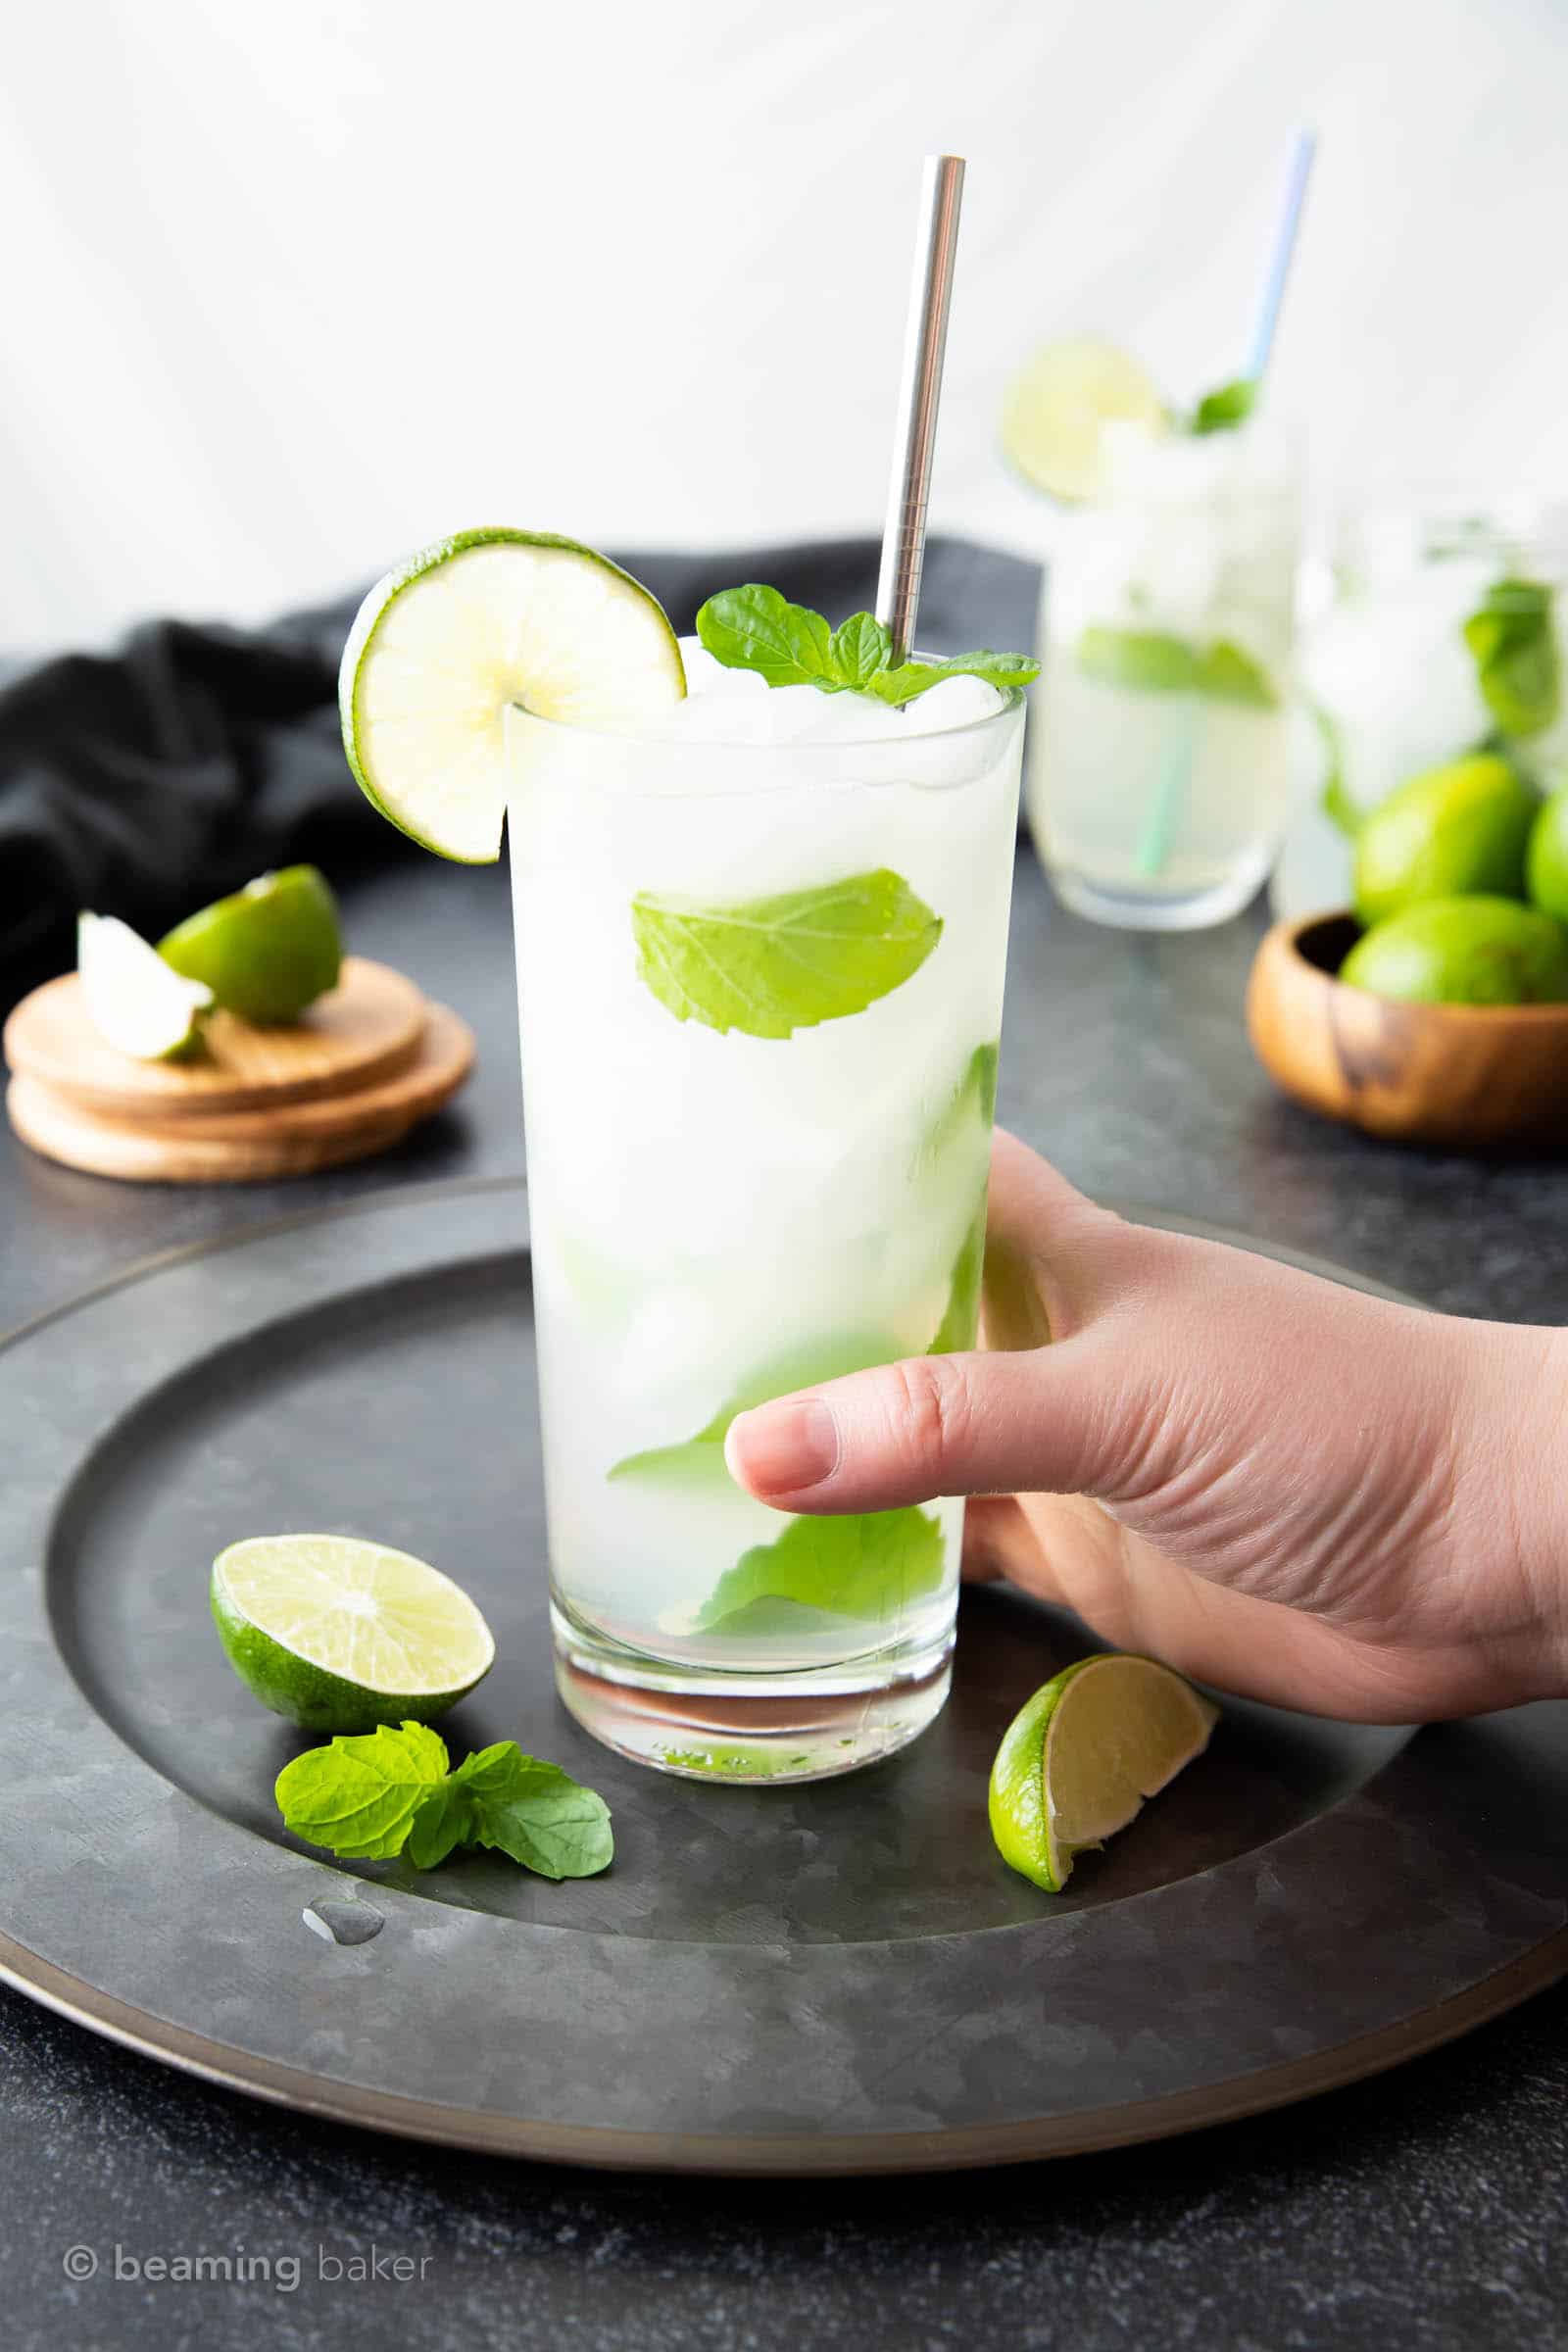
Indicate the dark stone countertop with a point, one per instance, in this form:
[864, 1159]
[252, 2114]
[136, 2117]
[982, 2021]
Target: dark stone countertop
[1423, 2209]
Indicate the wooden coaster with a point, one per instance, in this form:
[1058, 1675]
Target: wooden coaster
[291, 1138]
[369, 1026]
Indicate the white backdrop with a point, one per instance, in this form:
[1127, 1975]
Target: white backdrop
[289, 288]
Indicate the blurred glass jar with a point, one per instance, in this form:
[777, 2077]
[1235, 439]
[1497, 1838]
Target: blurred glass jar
[1159, 762]
[1439, 628]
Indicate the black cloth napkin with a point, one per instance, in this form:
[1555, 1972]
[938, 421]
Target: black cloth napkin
[144, 782]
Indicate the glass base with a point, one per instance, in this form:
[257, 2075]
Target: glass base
[703, 1724]
[1134, 909]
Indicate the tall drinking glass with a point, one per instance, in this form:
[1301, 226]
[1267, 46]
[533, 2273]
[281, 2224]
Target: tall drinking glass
[760, 987]
[1158, 763]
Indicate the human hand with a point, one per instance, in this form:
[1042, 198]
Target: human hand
[1287, 1489]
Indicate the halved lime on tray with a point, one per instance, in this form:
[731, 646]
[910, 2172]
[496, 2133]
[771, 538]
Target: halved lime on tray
[442, 645]
[339, 1635]
[134, 999]
[1079, 1759]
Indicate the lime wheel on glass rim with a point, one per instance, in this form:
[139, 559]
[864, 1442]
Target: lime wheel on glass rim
[443, 645]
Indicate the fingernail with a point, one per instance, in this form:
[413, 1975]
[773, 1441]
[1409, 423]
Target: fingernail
[781, 1449]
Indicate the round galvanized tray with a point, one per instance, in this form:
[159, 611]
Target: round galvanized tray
[835, 1978]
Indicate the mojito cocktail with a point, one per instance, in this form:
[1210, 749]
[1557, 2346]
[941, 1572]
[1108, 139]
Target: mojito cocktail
[761, 885]
[1158, 757]
[761, 942]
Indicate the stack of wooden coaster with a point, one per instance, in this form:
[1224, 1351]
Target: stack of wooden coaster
[350, 1078]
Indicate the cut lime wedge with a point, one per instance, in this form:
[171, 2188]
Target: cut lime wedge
[1078, 1760]
[339, 1635]
[445, 642]
[1058, 404]
[265, 953]
[133, 998]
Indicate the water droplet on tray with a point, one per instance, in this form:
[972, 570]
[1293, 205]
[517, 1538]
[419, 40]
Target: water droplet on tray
[339, 1920]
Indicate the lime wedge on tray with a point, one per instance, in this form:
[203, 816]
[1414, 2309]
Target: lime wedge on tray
[445, 642]
[339, 1635]
[269, 951]
[1058, 407]
[1078, 1760]
[133, 999]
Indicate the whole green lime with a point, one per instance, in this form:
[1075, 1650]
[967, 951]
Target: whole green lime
[1454, 832]
[1546, 860]
[269, 951]
[1466, 950]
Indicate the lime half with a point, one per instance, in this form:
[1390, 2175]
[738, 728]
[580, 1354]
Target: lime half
[133, 998]
[445, 642]
[1058, 404]
[1076, 1763]
[339, 1635]
[269, 951]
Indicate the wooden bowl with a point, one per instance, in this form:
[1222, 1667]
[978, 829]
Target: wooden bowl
[1477, 1076]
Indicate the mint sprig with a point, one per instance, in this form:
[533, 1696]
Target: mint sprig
[389, 1792]
[754, 627]
[770, 966]
[1222, 409]
[1515, 649]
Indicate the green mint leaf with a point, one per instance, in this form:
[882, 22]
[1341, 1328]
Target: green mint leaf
[445, 1820]
[755, 628]
[788, 645]
[1515, 648]
[359, 1795]
[859, 648]
[1221, 411]
[536, 1813]
[1152, 661]
[700, 1459]
[970, 1108]
[774, 965]
[1148, 661]
[1229, 675]
[1335, 797]
[866, 1564]
[909, 678]
[959, 1326]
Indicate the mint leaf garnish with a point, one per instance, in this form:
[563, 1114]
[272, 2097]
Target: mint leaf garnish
[390, 1793]
[535, 1812]
[909, 678]
[703, 1456]
[860, 646]
[1154, 662]
[959, 1326]
[864, 1564]
[754, 627]
[1220, 410]
[359, 1795]
[1335, 797]
[1227, 674]
[774, 965]
[1515, 649]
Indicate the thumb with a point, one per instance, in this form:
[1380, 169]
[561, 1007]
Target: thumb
[1021, 1416]
[1036, 1421]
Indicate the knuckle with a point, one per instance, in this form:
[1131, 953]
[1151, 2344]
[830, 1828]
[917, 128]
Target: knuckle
[931, 1407]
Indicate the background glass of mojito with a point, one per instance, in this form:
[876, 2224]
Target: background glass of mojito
[1444, 631]
[760, 947]
[1159, 762]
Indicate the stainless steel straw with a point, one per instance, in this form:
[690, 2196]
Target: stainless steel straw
[897, 589]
